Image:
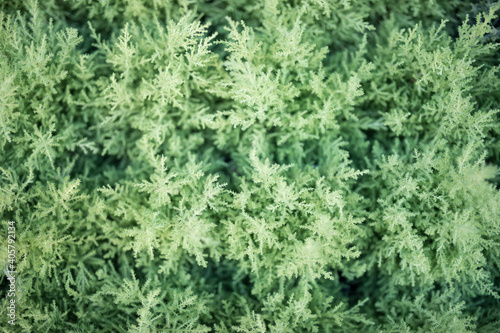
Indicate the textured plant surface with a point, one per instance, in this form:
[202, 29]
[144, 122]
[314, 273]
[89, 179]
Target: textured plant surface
[251, 166]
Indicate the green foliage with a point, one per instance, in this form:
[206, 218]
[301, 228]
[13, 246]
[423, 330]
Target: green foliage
[251, 166]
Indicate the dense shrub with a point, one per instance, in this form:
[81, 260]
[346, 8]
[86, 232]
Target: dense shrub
[250, 166]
